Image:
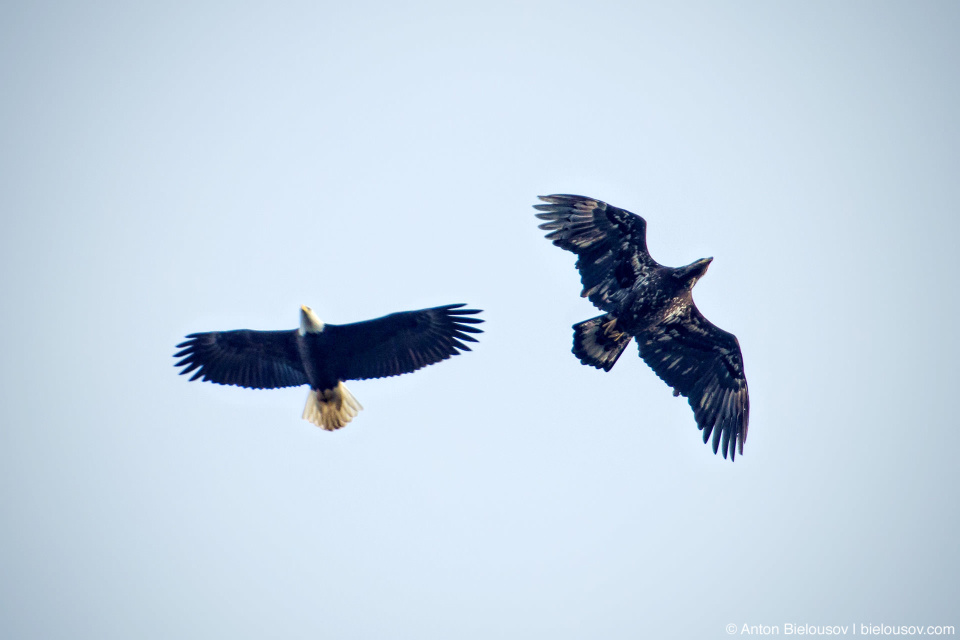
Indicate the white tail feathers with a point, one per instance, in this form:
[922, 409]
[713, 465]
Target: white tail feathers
[331, 409]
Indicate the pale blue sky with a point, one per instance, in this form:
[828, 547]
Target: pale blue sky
[170, 168]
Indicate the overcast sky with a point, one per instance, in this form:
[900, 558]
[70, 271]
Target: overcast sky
[168, 168]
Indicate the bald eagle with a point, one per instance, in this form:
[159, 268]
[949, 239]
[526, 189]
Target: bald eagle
[324, 355]
[650, 302]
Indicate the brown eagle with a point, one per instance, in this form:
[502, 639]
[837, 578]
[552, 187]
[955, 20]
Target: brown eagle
[324, 355]
[645, 300]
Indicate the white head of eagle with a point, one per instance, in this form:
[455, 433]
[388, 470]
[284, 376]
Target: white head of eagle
[309, 321]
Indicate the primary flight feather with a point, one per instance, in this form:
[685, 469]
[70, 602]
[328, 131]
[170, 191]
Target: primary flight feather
[645, 300]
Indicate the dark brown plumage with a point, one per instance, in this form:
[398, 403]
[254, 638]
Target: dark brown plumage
[645, 300]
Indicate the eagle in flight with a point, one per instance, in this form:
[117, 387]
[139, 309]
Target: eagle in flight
[645, 300]
[324, 355]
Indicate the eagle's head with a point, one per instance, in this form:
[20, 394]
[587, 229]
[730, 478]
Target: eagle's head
[693, 272]
[309, 322]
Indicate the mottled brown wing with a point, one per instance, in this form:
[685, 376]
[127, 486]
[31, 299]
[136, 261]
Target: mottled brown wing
[611, 245]
[253, 359]
[703, 363]
[400, 342]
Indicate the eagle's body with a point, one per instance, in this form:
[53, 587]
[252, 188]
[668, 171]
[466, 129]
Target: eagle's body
[324, 355]
[653, 303]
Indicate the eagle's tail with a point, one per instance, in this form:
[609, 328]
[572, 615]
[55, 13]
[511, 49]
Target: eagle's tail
[331, 409]
[597, 342]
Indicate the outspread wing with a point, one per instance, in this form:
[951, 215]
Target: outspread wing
[703, 363]
[611, 244]
[254, 359]
[400, 342]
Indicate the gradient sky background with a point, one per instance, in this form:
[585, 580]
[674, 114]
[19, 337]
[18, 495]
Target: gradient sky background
[179, 167]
